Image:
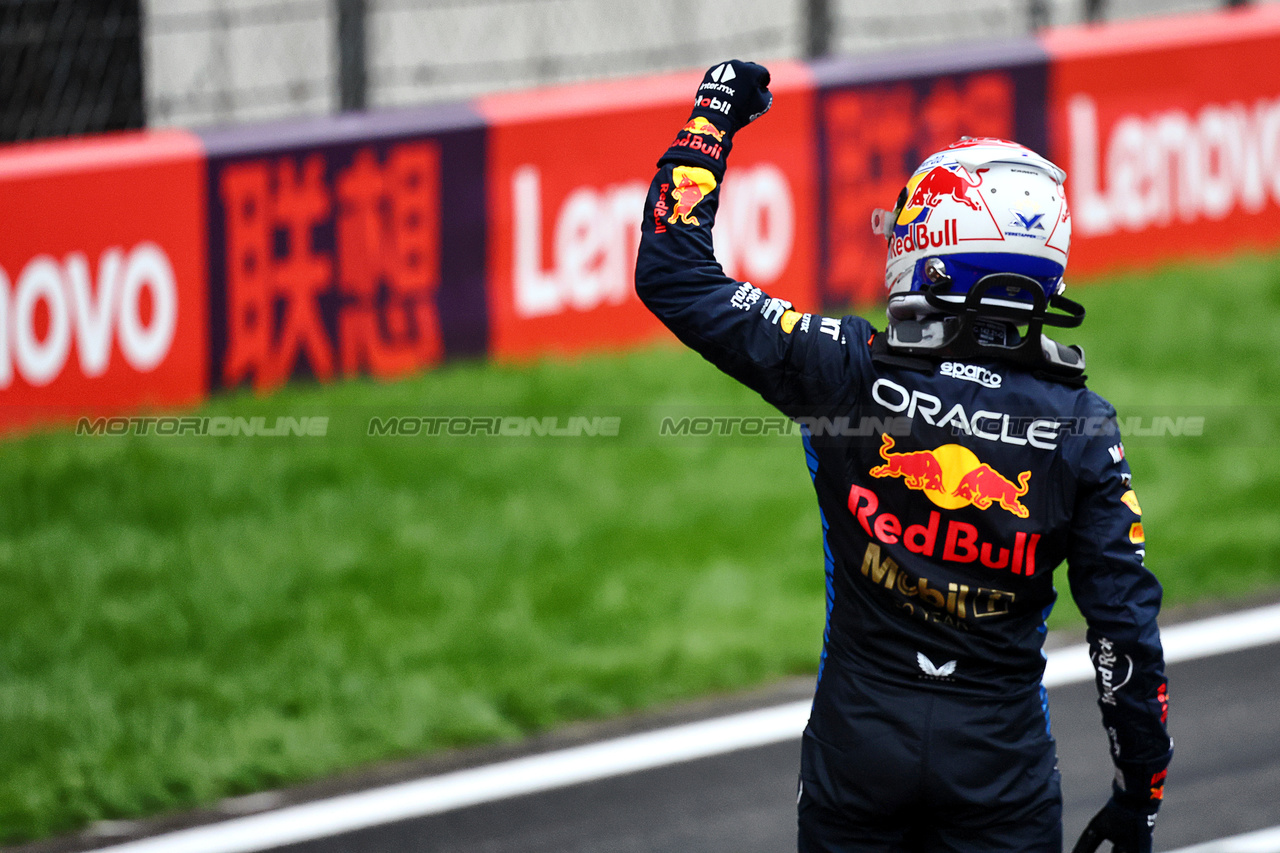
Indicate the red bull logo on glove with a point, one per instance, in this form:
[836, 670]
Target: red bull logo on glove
[952, 476]
[701, 135]
[700, 125]
[693, 184]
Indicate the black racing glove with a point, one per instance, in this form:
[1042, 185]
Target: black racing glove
[1128, 817]
[732, 95]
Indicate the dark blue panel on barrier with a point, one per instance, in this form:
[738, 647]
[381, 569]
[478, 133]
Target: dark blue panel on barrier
[353, 245]
[346, 128]
[879, 118]
[927, 61]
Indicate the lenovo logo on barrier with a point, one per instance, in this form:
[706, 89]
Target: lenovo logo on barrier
[131, 300]
[1161, 167]
[594, 244]
[592, 252]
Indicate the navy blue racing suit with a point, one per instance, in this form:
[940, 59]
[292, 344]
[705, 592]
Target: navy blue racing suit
[948, 492]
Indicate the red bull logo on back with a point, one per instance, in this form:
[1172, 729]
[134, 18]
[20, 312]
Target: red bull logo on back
[951, 476]
[958, 541]
[919, 469]
[984, 486]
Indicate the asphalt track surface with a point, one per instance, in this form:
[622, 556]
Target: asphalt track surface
[1225, 781]
[719, 774]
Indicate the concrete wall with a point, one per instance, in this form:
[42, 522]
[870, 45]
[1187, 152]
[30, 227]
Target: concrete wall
[212, 62]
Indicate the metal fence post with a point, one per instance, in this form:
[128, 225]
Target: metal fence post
[353, 78]
[1037, 14]
[818, 28]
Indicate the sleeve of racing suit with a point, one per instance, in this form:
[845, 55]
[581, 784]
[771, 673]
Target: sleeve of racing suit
[1120, 599]
[792, 359]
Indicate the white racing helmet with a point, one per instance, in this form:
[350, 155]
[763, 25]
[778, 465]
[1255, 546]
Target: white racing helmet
[981, 230]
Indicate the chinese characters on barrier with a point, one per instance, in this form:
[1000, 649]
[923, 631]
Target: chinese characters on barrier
[331, 265]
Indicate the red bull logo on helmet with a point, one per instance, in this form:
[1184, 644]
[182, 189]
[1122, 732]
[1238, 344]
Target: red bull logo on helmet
[951, 476]
[947, 182]
[919, 236]
[926, 190]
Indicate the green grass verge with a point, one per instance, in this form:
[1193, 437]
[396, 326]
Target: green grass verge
[188, 619]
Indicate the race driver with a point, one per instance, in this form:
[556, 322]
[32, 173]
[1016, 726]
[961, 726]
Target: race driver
[988, 463]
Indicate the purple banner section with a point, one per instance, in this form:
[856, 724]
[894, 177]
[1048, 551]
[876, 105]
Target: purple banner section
[346, 246]
[927, 61]
[878, 118]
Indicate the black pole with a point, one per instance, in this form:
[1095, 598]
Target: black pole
[1095, 10]
[819, 28]
[1037, 14]
[353, 79]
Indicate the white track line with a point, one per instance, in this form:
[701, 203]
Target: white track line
[1188, 641]
[1262, 841]
[421, 797]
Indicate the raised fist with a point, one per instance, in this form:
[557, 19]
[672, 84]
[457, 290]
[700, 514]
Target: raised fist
[733, 94]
